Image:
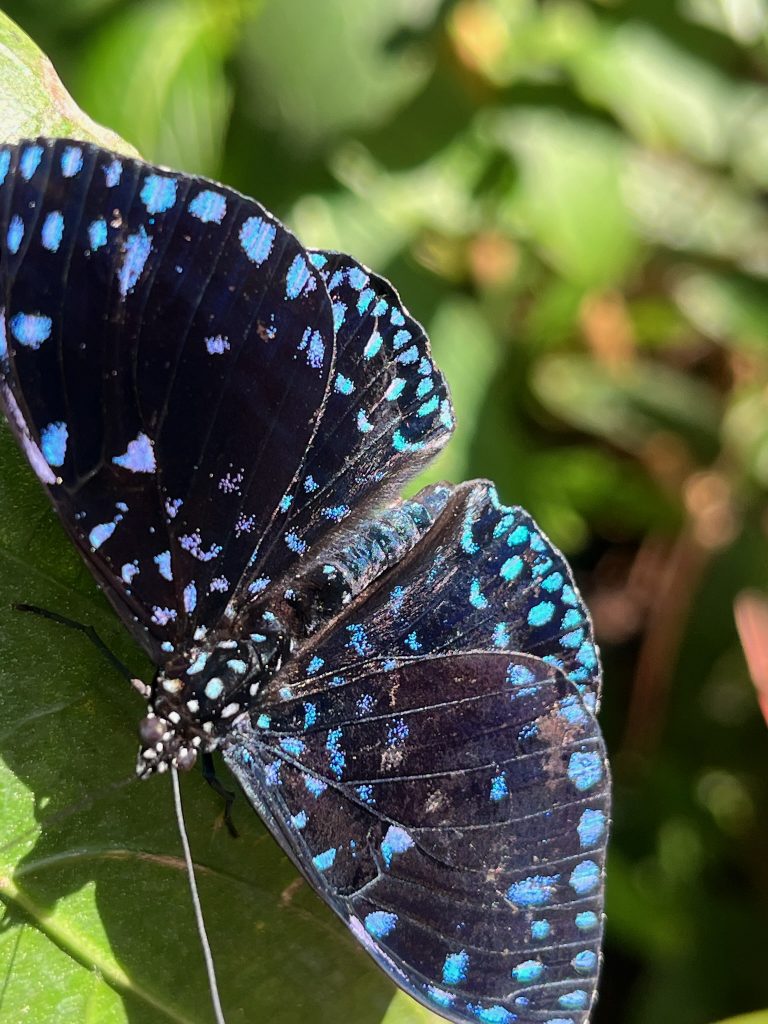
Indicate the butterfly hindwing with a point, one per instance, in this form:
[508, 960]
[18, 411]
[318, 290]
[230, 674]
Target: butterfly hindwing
[453, 811]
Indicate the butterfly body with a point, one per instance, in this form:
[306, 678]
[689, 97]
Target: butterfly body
[405, 690]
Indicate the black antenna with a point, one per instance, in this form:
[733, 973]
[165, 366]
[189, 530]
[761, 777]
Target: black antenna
[211, 970]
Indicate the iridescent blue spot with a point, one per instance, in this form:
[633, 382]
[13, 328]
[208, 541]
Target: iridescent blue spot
[402, 444]
[534, 891]
[410, 355]
[587, 655]
[163, 563]
[315, 665]
[553, 582]
[365, 792]
[424, 388]
[31, 329]
[491, 1014]
[190, 597]
[5, 163]
[100, 533]
[401, 338]
[310, 484]
[395, 841]
[136, 250]
[293, 746]
[299, 820]
[571, 711]
[214, 688]
[97, 233]
[238, 666]
[343, 385]
[298, 277]
[572, 639]
[295, 543]
[15, 234]
[381, 307]
[560, 1020]
[310, 714]
[312, 343]
[366, 298]
[53, 231]
[540, 930]
[586, 920]
[585, 878]
[373, 345]
[396, 317]
[395, 389]
[335, 512]
[397, 732]
[468, 543]
[263, 721]
[412, 642]
[541, 614]
[323, 861]
[256, 239]
[318, 259]
[112, 173]
[363, 423]
[425, 367]
[512, 568]
[585, 962]
[379, 924]
[201, 660]
[446, 414]
[139, 456]
[591, 827]
[53, 442]
[455, 968]
[576, 1000]
[209, 207]
[30, 161]
[476, 597]
[500, 635]
[520, 675]
[541, 567]
[339, 314]
[537, 542]
[438, 996]
[128, 571]
[359, 640]
[71, 161]
[585, 769]
[158, 193]
[499, 787]
[338, 760]
[528, 971]
[519, 535]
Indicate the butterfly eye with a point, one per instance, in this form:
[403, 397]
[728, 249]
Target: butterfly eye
[151, 731]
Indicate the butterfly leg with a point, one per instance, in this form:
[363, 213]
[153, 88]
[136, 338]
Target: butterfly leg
[210, 776]
[81, 627]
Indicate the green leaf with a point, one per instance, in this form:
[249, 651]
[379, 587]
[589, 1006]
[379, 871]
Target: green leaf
[569, 199]
[761, 1017]
[34, 102]
[156, 71]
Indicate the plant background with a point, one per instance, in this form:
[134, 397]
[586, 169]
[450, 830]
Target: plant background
[572, 197]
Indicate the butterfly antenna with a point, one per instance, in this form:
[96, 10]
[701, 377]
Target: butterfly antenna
[210, 969]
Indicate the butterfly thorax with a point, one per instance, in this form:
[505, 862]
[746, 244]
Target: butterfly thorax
[196, 694]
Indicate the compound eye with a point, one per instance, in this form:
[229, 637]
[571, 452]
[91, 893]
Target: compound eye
[151, 730]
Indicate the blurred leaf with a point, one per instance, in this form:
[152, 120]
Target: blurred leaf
[569, 197]
[348, 77]
[628, 406]
[156, 71]
[32, 99]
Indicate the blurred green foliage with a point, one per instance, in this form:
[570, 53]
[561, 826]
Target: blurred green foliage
[572, 197]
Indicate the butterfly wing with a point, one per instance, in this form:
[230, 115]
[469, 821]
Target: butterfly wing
[453, 812]
[169, 350]
[434, 766]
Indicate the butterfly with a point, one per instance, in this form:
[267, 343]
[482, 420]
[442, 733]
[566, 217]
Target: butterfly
[406, 690]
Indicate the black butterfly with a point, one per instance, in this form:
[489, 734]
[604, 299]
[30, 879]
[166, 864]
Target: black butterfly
[406, 690]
